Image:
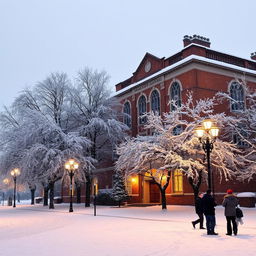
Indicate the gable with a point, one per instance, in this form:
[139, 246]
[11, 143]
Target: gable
[149, 65]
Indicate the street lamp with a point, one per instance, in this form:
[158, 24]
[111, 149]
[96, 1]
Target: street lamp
[15, 172]
[71, 166]
[207, 134]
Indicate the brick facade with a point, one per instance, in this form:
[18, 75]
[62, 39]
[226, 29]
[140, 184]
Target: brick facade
[196, 68]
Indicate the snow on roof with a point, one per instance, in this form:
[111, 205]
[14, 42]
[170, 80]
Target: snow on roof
[187, 59]
[211, 49]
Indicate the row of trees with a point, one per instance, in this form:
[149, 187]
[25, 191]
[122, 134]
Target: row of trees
[173, 144]
[56, 120]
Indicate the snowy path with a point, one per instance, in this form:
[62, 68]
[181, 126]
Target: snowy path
[35, 230]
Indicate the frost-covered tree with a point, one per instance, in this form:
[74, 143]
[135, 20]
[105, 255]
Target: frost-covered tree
[49, 97]
[173, 145]
[119, 192]
[54, 120]
[40, 148]
[96, 117]
[244, 133]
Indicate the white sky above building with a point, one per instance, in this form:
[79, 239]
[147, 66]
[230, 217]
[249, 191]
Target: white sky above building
[39, 37]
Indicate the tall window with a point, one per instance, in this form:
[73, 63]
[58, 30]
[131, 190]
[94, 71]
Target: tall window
[142, 109]
[155, 102]
[237, 95]
[127, 114]
[129, 185]
[240, 139]
[175, 96]
[177, 181]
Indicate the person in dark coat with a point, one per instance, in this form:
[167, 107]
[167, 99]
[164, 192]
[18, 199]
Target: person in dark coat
[230, 203]
[208, 205]
[199, 211]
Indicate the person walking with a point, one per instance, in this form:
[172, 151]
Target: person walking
[230, 203]
[208, 205]
[199, 211]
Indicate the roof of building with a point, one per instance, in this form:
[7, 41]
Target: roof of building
[181, 62]
[192, 51]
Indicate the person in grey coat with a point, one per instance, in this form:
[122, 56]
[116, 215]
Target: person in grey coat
[230, 203]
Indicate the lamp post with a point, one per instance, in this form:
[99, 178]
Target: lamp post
[207, 134]
[71, 166]
[15, 172]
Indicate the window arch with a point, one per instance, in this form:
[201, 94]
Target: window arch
[155, 101]
[127, 114]
[175, 95]
[237, 94]
[142, 105]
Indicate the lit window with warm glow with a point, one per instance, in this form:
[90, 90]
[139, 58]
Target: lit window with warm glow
[177, 181]
[129, 182]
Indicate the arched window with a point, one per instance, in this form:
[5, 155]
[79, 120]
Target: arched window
[237, 95]
[155, 102]
[175, 96]
[127, 114]
[142, 109]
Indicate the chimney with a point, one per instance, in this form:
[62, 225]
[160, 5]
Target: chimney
[195, 39]
[253, 56]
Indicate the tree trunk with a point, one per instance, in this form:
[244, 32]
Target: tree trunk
[88, 191]
[119, 203]
[78, 194]
[51, 187]
[163, 197]
[32, 191]
[46, 189]
[196, 186]
[163, 189]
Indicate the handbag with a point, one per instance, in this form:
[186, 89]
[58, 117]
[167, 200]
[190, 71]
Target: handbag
[239, 213]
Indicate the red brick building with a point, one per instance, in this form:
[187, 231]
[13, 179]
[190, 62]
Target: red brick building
[197, 68]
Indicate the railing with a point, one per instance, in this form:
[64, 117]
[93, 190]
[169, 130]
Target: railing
[225, 58]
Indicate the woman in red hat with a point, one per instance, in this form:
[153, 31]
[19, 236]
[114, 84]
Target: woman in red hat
[230, 203]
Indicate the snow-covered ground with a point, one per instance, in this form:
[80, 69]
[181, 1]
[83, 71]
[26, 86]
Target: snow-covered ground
[132, 231]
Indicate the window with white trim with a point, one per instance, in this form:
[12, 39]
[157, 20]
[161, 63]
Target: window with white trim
[127, 114]
[142, 105]
[175, 96]
[240, 139]
[155, 102]
[237, 95]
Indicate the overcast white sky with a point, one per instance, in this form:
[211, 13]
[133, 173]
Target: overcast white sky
[42, 36]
